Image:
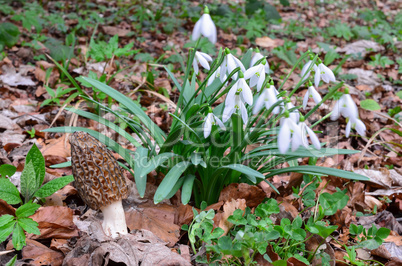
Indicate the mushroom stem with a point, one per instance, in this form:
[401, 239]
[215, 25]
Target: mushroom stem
[114, 220]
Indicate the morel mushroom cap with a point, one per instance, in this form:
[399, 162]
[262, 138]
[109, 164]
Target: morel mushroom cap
[99, 180]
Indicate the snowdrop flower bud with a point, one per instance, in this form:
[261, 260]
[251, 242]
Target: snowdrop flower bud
[229, 63]
[307, 130]
[311, 93]
[256, 57]
[209, 121]
[304, 74]
[289, 133]
[206, 27]
[256, 75]
[324, 73]
[203, 59]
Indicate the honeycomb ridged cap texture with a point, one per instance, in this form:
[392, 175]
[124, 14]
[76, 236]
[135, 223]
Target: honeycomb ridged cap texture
[98, 178]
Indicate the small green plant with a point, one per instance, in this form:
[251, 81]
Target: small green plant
[102, 51]
[32, 190]
[56, 95]
[31, 133]
[255, 232]
[380, 61]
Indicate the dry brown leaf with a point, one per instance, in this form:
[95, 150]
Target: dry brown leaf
[267, 42]
[57, 147]
[228, 208]
[159, 220]
[252, 194]
[40, 254]
[54, 222]
[115, 30]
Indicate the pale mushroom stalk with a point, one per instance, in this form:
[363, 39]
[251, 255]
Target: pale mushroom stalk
[99, 181]
[114, 220]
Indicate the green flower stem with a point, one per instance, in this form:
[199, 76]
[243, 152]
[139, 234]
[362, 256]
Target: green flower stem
[306, 54]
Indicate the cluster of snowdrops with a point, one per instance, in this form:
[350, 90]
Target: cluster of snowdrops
[293, 128]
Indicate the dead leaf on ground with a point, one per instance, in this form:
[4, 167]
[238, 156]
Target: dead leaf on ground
[115, 30]
[39, 254]
[54, 222]
[252, 194]
[57, 147]
[159, 220]
[12, 78]
[267, 42]
[228, 208]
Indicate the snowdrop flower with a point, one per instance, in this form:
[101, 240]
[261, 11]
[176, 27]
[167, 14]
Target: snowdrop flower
[215, 75]
[307, 130]
[289, 133]
[256, 57]
[256, 75]
[241, 87]
[206, 27]
[311, 93]
[203, 59]
[229, 63]
[294, 115]
[304, 70]
[268, 98]
[209, 121]
[357, 124]
[324, 73]
[232, 105]
[346, 107]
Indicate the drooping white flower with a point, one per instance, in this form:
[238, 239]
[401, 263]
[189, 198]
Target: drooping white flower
[206, 27]
[289, 133]
[232, 105]
[209, 121]
[357, 124]
[294, 115]
[304, 70]
[203, 59]
[214, 76]
[229, 63]
[324, 73]
[256, 57]
[268, 98]
[306, 130]
[256, 75]
[311, 93]
[241, 87]
[346, 107]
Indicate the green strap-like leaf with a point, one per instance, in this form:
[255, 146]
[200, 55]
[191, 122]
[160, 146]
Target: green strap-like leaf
[169, 181]
[156, 132]
[318, 170]
[187, 189]
[140, 160]
[244, 170]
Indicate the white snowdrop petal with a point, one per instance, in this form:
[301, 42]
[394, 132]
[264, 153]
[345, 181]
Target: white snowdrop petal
[203, 61]
[197, 30]
[284, 138]
[313, 137]
[360, 127]
[348, 128]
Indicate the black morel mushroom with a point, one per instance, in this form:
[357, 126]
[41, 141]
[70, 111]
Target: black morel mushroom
[99, 181]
